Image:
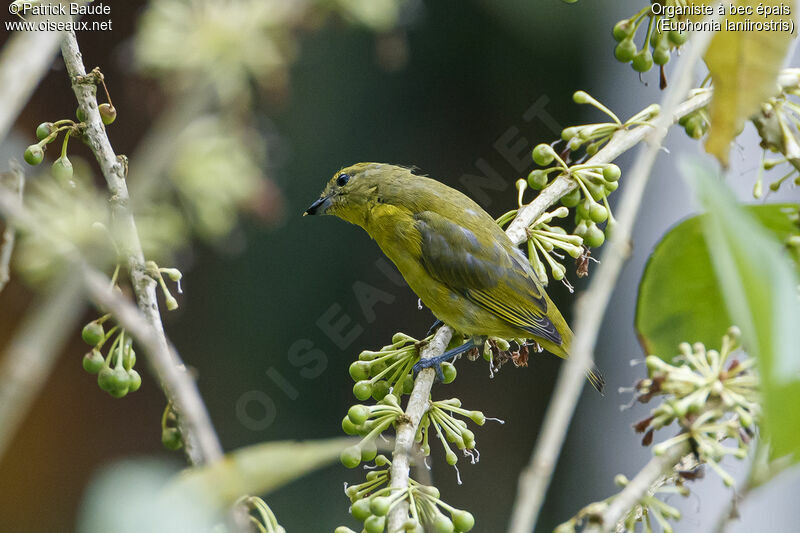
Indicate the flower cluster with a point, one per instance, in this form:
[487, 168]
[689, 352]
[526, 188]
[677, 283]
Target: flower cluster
[712, 396]
[372, 500]
[778, 124]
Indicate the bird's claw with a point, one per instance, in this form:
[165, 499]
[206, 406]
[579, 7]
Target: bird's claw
[432, 362]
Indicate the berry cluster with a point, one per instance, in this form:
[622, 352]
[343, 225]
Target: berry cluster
[386, 375]
[377, 373]
[374, 499]
[778, 124]
[657, 45]
[47, 132]
[115, 373]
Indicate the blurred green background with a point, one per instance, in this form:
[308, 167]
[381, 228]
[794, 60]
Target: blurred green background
[442, 92]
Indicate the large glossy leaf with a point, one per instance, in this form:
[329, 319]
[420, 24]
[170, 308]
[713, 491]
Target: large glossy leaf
[744, 66]
[679, 297]
[760, 289]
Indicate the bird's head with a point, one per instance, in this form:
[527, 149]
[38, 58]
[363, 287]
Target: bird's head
[351, 191]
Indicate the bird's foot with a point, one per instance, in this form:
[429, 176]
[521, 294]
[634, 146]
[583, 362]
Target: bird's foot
[436, 362]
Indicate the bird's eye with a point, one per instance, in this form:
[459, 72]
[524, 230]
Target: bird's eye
[342, 180]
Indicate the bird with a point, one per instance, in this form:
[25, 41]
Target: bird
[452, 254]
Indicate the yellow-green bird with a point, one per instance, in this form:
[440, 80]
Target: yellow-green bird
[452, 254]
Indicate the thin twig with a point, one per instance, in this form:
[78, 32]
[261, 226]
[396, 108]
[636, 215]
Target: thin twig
[202, 444]
[14, 181]
[535, 478]
[407, 428]
[654, 474]
[32, 352]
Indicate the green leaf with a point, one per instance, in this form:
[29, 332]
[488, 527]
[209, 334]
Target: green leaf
[760, 290]
[256, 469]
[744, 66]
[679, 298]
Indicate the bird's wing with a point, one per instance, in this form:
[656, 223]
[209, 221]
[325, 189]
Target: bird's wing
[487, 274]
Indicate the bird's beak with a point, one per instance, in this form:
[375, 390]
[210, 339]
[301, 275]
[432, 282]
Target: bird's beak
[319, 206]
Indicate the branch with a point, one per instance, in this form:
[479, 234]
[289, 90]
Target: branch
[32, 352]
[407, 429]
[202, 444]
[535, 478]
[14, 181]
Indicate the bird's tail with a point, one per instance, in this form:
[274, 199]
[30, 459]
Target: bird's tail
[596, 378]
[593, 374]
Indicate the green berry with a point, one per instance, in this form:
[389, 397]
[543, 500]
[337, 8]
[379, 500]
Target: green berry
[171, 438]
[463, 521]
[348, 427]
[537, 179]
[360, 510]
[135, 380]
[362, 390]
[597, 190]
[611, 186]
[93, 361]
[677, 37]
[368, 450]
[359, 370]
[33, 154]
[442, 524]
[108, 113]
[598, 213]
[543, 154]
[661, 56]
[375, 524]
[408, 384]
[121, 380]
[128, 357]
[623, 30]
[81, 114]
[625, 50]
[572, 198]
[611, 172]
[569, 133]
[93, 333]
[451, 457]
[44, 129]
[583, 209]
[449, 371]
[380, 389]
[62, 170]
[642, 61]
[580, 229]
[105, 379]
[358, 414]
[594, 236]
[379, 505]
[696, 126]
[351, 456]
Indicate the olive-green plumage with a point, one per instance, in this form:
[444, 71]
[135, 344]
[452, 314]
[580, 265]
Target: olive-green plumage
[451, 252]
